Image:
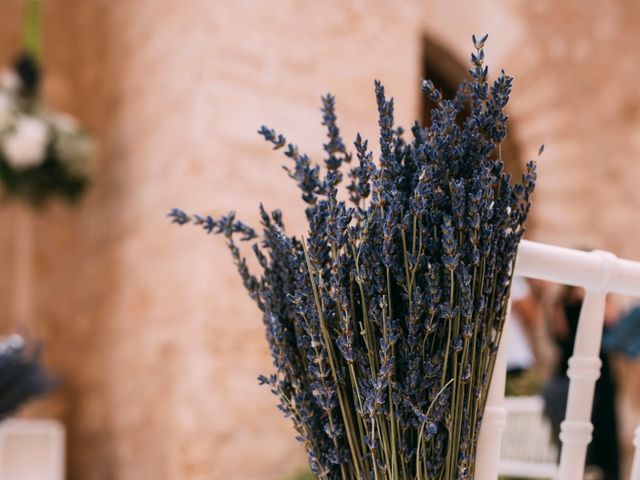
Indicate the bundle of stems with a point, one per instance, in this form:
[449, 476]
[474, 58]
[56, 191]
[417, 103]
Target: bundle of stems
[385, 319]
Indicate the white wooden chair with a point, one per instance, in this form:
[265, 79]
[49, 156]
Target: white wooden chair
[32, 450]
[527, 447]
[598, 273]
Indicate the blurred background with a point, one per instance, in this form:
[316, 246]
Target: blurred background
[154, 341]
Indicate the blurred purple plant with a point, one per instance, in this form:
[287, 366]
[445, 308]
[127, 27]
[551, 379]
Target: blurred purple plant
[384, 321]
[21, 375]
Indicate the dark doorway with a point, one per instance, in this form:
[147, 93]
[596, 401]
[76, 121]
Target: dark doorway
[446, 71]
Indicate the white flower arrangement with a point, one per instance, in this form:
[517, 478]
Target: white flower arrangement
[43, 153]
[24, 144]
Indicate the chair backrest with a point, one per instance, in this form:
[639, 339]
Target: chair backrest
[598, 273]
[32, 450]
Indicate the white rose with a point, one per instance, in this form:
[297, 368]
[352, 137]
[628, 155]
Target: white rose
[10, 80]
[25, 146]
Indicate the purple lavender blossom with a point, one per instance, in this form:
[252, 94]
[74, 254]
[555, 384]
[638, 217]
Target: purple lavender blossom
[384, 322]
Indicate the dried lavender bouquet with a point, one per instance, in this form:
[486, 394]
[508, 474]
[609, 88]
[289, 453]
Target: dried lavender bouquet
[384, 321]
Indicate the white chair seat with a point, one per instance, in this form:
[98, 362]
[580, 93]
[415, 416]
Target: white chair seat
[32, 450]
[527, 449]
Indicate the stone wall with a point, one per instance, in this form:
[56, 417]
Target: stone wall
[146, 323]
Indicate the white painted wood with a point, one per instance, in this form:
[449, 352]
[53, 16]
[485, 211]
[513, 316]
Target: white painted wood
[577, 268]
[495, 415]
[635, 468]
[584, 370]
[527, 447]
[598, 273]
[32, 450]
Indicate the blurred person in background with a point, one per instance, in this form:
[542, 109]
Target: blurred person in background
[521, 359]
[603, 450]
[624, 337]
[622, 343]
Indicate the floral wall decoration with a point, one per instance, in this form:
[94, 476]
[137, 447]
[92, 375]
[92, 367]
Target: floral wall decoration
[43, 153]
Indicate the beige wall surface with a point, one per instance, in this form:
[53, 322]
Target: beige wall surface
[147, 326]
